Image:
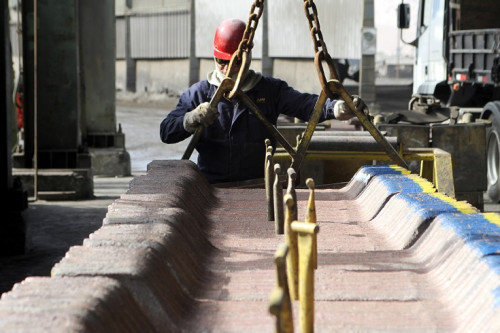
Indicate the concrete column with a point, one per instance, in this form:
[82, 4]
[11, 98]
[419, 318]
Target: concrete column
[55, 138]
[267, 62]
[194, 62]
[97, 53]
[367, 89]
[58, 122]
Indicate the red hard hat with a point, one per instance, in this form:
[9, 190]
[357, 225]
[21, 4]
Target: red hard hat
[228, 37]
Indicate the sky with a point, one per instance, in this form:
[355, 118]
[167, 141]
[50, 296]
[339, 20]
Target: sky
[388, 39]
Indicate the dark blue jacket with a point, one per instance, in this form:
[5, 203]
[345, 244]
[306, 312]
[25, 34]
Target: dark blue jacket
[232, 148]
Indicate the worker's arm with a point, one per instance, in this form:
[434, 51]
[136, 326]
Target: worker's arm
[300, 105]
[296, 104]
[178, 126]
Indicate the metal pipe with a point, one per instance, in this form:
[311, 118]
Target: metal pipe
[358, 155]
[349, 143]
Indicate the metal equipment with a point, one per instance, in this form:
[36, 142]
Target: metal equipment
[332, 88]
[456, 85]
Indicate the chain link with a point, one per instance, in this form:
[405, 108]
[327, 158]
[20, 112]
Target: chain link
[319, 47]
[252, 23]
[314, 27]
[245, 45]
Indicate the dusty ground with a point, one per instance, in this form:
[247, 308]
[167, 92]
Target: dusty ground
[147, 100]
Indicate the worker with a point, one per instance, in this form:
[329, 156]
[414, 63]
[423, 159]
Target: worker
[232, 146]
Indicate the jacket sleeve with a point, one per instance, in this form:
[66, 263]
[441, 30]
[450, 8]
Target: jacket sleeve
[301, 105]
[171, 128]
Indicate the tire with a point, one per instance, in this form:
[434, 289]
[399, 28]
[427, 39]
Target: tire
[493, 158]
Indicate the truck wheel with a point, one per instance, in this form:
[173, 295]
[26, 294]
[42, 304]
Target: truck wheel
[492, 159]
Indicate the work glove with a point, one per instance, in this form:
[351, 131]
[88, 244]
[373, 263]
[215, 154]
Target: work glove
[202, 115]
[341, 110]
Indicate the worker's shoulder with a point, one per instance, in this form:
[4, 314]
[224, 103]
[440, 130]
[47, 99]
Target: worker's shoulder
[269, 82]
[272, 80]
[200, 85]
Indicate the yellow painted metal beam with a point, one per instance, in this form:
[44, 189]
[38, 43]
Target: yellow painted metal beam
[436, 165]
[439, 170]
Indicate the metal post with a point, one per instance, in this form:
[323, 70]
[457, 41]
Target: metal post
[306, 235]
[276, 301]
[292, 177]
[311, 217]
[269, 186]
[292, 259]
[280, 303]
[278, 200]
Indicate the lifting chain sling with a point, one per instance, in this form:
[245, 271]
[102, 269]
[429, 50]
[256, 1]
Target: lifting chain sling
[230, 88]
[330, 89]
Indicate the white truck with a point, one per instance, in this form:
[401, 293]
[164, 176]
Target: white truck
[456, 87]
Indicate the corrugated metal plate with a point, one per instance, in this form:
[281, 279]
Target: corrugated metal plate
[166, 34]
[148, 6]
[120, 37]
[340, 23]
[169, 5]
[289, 36]
[160, 35]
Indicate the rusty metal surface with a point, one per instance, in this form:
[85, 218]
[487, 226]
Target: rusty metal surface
[356, 268]
[195, 258]
[349, 143]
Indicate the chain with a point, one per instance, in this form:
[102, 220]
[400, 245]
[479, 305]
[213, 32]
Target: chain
[245, 45]
[319, 47]
[314, 27]
[335, 87]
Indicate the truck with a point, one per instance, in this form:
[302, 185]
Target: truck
[456, 88]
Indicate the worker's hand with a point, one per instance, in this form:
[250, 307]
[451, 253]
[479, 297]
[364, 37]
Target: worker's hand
[202, 115]
[342, 111]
